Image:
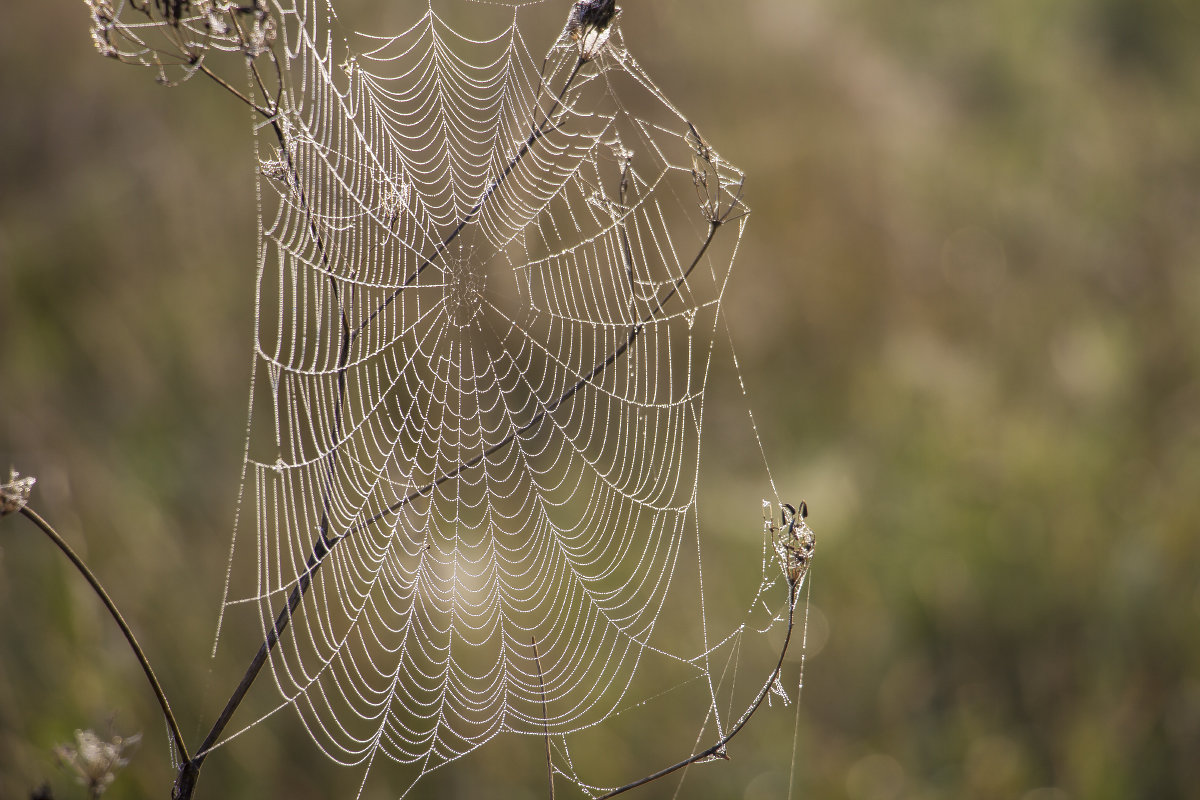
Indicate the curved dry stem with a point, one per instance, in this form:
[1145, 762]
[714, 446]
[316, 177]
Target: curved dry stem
[717, 750]
[94, 582]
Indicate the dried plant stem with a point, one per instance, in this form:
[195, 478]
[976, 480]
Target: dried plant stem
[88, 575]
[718, 749]
[224, 84]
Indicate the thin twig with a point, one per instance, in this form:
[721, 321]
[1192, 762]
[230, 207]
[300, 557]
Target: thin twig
[545, 720]
[83, 569]
[189, 772]
[719, 748]
[224, 84]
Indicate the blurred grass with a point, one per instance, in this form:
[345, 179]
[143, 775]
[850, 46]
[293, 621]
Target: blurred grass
[967, 307]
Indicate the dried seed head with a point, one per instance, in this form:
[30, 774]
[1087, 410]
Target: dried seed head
[173, 10]
[211, 13]
[590, 25]
[15, 494]
[597, 13]
[95, 761]
[277, 168]
[103, 22]
[793, 540]
[261, 35]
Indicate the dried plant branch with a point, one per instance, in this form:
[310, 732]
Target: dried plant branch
[717, 750]
[93, 581]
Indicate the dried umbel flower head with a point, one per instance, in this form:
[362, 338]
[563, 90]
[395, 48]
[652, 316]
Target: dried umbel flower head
[212, 13]
[95, 761]
[793, 540]
[15, 494]
[173, 10]
[590, 25]
[103, 22]
[262, 32]
[277, 168]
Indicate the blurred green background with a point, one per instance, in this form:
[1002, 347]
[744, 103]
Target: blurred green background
[967, 308]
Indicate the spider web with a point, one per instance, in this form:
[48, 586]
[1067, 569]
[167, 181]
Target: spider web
[490, 277]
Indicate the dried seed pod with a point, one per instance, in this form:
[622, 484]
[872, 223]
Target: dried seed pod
[590, 25]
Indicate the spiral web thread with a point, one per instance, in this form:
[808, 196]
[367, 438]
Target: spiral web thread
[489, 285]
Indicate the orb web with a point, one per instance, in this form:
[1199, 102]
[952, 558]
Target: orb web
[490, 277]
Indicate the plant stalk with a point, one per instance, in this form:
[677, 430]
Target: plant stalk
[94, 582]
[718, 749]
